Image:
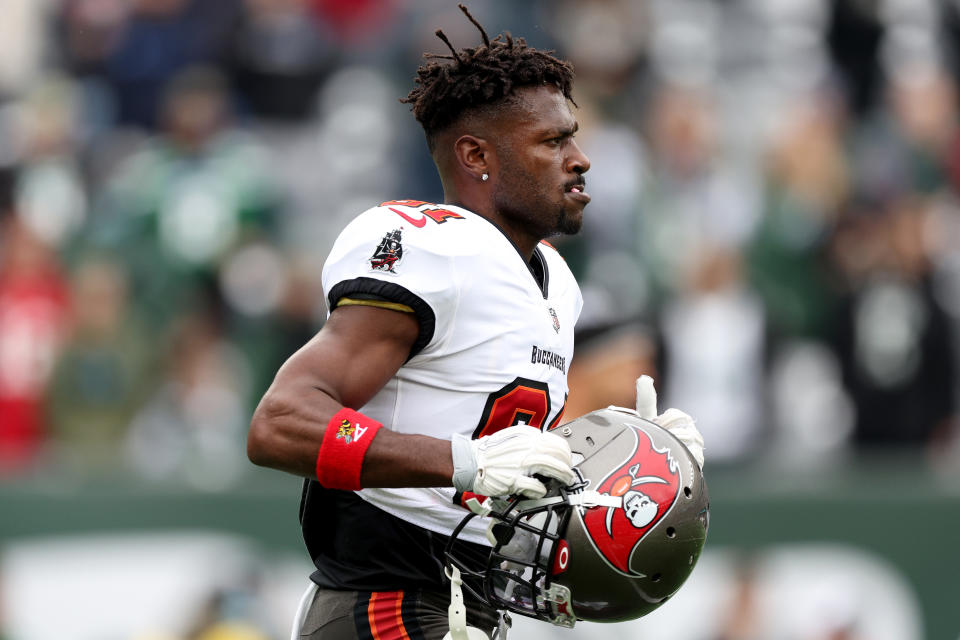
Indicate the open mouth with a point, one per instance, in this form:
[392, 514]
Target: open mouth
[578, 192]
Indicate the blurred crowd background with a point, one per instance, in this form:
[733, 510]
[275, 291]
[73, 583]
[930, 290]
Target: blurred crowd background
[774, 232]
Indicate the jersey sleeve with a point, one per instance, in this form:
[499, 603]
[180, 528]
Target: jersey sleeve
[381, 256]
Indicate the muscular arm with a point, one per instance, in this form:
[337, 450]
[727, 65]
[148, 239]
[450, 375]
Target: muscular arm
[358, 350]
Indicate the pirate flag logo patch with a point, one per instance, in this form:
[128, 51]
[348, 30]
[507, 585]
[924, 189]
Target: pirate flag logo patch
[388, 253]
[649, 482]
[350, 433]
[345, 432]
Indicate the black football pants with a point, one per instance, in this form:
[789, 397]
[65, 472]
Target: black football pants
[416, 614]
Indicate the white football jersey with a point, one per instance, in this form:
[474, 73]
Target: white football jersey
[494, 345]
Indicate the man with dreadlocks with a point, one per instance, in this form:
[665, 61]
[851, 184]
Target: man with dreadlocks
[444, 358]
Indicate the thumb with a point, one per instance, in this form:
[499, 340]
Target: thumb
[646, 398]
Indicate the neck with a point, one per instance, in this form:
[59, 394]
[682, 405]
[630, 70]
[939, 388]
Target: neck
[484, 207]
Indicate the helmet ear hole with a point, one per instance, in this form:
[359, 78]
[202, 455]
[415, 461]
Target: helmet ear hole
[671, 532]
[687, 492]
[656, 577]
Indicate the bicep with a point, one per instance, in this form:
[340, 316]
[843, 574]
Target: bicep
[355, 354]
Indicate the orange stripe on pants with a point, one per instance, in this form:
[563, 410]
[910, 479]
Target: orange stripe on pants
[384, 615]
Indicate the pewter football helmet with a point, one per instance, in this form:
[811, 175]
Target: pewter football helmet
[613, 546]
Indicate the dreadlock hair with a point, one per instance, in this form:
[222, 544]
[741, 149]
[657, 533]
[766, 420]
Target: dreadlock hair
[480, 76]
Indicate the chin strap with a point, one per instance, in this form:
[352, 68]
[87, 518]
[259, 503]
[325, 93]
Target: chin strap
[505, 623]
[457, 611]
[588, 498]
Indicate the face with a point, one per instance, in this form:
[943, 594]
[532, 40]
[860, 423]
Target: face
[640, 509]
[540, 189]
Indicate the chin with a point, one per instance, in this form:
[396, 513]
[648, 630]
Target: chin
[569, 224]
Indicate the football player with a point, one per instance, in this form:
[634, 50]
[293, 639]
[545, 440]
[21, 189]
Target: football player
[443, 363]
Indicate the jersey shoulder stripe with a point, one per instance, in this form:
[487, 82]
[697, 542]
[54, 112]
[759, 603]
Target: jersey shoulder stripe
[389, 292]
[380, 304]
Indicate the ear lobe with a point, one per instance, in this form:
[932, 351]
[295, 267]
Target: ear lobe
[473, 154]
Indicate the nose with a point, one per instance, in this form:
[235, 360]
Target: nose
[577, 162]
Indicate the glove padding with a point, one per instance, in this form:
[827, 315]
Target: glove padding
[503, 463]
[678, 423]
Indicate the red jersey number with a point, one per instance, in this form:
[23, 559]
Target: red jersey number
[522, 401]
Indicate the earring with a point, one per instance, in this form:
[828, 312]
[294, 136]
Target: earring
[485, 177]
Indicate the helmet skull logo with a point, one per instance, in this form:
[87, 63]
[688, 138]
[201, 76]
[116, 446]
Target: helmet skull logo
[649, 482]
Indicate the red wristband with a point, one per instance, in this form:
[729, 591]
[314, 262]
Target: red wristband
[345, 443]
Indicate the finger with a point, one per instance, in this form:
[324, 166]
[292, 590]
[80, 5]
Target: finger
[512, 435]
[697, 453]
[550, 446]
[554, 445]
[646, 398]
[530, 487]
[688, 437]
[549, 466]
[674, 419]
[563, 476]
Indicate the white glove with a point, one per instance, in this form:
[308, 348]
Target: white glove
[680, 424]
[502, 464]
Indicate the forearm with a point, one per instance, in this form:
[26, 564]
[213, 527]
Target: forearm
[289, 425]
[407, 460]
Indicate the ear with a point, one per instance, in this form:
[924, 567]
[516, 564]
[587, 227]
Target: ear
[474, 155]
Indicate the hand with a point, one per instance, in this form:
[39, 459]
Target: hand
[680, 424]
[503, 463]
